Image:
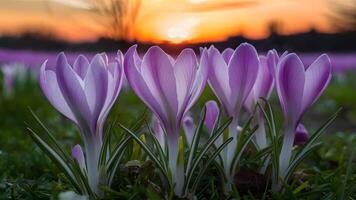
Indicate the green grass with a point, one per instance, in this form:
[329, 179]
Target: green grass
[26, 173]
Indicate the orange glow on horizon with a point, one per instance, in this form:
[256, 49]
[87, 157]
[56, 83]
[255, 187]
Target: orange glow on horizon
[174, 21]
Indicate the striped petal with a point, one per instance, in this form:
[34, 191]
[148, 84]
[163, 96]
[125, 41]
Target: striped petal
[291, 79]
[50, 88]
[243, 70]
[218, 75]
[317, 77]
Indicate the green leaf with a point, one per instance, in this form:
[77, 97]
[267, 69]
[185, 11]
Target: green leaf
[344, 186]
[116, 157]
[52, 140]
[310, 145]
[241, 146]
[301, 187]
[150, 153]
[262, 153]
[161, 153]
[105, 147]
[210, 160]
[195, 141]
[271, 124]
[204, 150]
[82, 175]
[242, 143]
[53, 155]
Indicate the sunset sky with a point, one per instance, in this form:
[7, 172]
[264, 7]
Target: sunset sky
[169, 20]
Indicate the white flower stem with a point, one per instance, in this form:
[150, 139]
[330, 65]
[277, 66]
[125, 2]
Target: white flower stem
[261, 141]
[228, 155]
[260, 134]
[92, 153]
[285, 154]
[173, 151]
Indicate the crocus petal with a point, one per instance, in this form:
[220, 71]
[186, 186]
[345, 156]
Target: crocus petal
[119, 57]
[114, 86]
[139, 85]
[78, 155]
[184, 71]
[262, 87]
[201, 78]
[50, 88]
[291, 78]
[266, 82]
[243, 70]
[301, 135]
[189, 128]
[218, 75]
[159, 132]
[211, 116]
[226, 54]
[317, 77]
[81, 65]
[283, 54]
[272, 62]
[158, 74]
[73, 92]
[96, 86]
[201, 49]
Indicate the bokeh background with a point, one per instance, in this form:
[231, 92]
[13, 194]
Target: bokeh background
[32, 31]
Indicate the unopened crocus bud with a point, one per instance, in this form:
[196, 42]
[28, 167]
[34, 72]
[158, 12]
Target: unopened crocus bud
[78, 155]
[301, 135]
[211, 116]
[189, 128]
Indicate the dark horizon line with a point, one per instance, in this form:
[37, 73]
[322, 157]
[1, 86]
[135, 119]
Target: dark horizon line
[306, 41]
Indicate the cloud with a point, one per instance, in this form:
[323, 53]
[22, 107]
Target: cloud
[217, 6]
[75, 3]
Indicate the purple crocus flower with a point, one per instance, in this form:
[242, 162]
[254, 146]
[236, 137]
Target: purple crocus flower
[232, 75]
[9, 73]
[301, 135]
[262, 88]
[169, 87]
[12, 73]
[298, 87]
[84, 93]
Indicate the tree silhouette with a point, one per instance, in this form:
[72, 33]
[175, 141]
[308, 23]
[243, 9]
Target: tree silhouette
[121, 16]
[343, 17]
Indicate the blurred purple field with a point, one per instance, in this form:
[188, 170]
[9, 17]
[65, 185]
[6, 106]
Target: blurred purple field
[341, 62]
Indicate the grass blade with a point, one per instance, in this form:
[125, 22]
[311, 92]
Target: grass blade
[161, 153]
[310, 144]
[148, 151]
[211, 159]
[53, 155]
[204, 150]
[48, 134]
[195, 141]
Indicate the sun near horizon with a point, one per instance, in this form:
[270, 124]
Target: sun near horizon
[173, 21]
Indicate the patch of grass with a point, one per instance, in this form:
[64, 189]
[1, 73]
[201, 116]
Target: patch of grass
[26, 173]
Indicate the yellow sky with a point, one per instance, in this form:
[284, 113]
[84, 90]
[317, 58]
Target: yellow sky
[169, 20]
